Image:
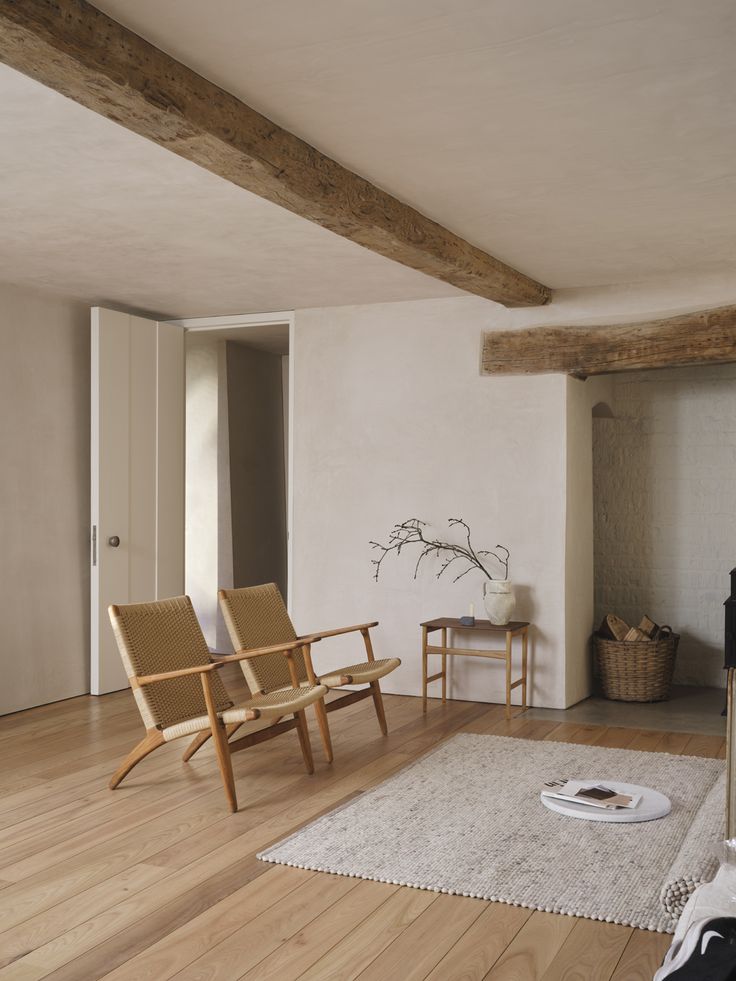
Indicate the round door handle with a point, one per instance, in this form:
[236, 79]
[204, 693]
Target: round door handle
[113, 541]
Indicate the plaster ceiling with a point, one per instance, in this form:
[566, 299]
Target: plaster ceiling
[92, 211]
[583, 141]
[271, 338]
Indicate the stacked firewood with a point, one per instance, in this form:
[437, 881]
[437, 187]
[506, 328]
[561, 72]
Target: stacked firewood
[614, 628]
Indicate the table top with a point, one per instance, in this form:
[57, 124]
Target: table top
[652, 806]
[454, 622]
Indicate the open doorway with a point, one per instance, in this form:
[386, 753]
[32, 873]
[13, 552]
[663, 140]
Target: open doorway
[237, 460]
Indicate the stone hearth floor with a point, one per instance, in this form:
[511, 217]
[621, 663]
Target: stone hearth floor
[690, 709]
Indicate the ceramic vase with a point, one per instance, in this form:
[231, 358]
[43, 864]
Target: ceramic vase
[499, 600]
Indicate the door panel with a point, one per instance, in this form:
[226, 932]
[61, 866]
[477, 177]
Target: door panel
[137, 474]
[170, 429]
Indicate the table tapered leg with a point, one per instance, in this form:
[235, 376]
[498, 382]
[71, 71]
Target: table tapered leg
[424, 669]
[524, 638]
[444, 667]
[508, 674]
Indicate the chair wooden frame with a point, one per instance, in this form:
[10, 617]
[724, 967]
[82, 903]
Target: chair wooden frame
[217, 730]
[374, 688]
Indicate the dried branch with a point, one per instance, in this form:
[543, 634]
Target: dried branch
[411, 532]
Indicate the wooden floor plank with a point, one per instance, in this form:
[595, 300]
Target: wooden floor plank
[642, 956]
[124, 930]
[564, 732]
[181, 947]
[586, 735]
[709, 746]
[533, 948]
[614, 737]
[647, 742]
[591, 952]
[306, 947]
[478, 949]
[345, 960]
[674, 742]
[426, 941]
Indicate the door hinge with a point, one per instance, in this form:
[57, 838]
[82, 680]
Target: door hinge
[94, 545]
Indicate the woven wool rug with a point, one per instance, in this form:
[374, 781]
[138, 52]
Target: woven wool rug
[467, 819]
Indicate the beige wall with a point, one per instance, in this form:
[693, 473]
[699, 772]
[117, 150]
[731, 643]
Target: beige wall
[44, 498]
[392, 420]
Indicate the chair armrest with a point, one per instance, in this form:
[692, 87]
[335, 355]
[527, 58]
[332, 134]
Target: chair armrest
[286, 649]
[150, 679]
[312, 638]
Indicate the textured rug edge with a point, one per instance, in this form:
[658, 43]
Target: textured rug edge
[468, 895]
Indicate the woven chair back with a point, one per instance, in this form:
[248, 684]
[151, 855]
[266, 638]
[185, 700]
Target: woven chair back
[257, 617]
[164, 636]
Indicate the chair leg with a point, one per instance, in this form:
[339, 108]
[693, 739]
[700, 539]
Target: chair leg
[225, 762]
[301, 720]
[201, 738]
[324, 728]
[197, 743]
[378, 703]
[152, 740]
[219, 735]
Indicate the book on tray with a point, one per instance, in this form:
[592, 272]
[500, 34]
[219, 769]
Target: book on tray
[590, 794]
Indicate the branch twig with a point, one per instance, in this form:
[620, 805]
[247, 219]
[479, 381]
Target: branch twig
[411, 532]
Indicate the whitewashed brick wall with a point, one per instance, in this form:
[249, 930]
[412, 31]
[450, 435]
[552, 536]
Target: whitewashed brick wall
[665, 508]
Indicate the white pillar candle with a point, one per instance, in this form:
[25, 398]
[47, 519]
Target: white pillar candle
[472, 609]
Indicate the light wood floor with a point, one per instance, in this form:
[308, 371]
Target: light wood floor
[157, 880]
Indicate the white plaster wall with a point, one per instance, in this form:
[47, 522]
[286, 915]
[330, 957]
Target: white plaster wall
[665, 500]
[579, 575]
[44, 498]
[208, 532]
[392, 420]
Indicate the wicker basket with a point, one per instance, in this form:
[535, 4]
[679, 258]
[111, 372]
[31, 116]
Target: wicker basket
[636, 671]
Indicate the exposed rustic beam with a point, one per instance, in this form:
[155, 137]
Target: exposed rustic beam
[74, 48]
[705, 337]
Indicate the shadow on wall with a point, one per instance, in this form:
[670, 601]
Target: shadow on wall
[524, 602]
[601, 410]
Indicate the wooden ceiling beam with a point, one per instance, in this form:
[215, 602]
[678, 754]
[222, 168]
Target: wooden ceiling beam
[704, 337]
[77, 50]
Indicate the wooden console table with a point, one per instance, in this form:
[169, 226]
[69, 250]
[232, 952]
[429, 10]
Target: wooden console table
[511, 630]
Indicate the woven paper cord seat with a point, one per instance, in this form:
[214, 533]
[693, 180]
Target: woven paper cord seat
[278, 703]
[360, 674]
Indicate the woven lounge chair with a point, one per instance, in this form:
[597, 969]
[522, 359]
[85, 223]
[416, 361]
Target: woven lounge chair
[256, 616]
[178, 692]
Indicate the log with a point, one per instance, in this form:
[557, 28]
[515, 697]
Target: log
[613, 627]
[635, 634]
[648, 627]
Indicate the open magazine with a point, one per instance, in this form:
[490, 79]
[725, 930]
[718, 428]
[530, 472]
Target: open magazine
[592, 794]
